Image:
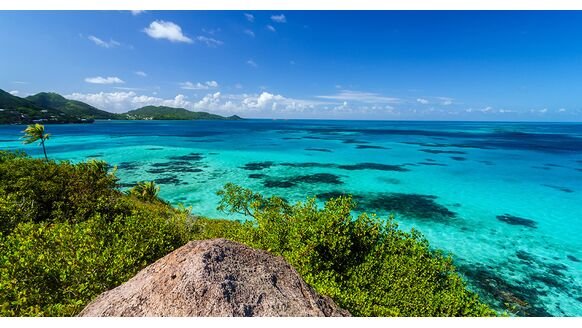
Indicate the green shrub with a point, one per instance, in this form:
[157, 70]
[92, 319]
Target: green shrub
[34, 190]
[69, 235]
[367, 265]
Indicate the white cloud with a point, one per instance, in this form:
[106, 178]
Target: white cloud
[250, 17]
[271, 28]
[210, 42]
[252, 63]
[166, 30]
[264, 102]
[279, 18]
[365, 97]
[137, 12]
[238, 86]
[14, 92]
[249, 33]
[104, 80]
[105, 44]
[19, 82]
[422, 101]
[445, 100]
[199, 86]
[124, 101]
[562, 110]
[141, 73]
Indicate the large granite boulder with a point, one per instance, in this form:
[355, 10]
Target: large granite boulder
[215, 277]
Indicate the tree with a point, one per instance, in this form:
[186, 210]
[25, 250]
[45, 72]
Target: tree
[146, 191]
[34, 133]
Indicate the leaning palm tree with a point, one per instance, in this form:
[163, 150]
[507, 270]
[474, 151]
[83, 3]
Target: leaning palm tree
[34, 133]
[147, 191]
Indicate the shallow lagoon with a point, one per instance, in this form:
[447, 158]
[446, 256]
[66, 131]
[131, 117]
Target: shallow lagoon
[504, 198]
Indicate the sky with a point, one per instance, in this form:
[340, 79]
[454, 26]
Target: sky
[391, 65]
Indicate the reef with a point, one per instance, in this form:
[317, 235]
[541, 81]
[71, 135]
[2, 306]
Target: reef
[563, 189]
[130, 166]
[520, 299]
[431, 164]
[371, 147]
[515, 220]
[257, 176]
[572, 258]
[317, 178]
[373, 166]
[438, 151]
[169, 180]
[354, 141]
[257, 166]
[309, 164]
[189, 157]
[458, 158]
[421, 207]
[325, 150]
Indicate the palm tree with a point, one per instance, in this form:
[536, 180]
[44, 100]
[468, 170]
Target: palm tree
[34, 133]
[147, 191]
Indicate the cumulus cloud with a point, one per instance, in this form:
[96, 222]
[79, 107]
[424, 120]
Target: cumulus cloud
[279, 18]
[249, 33]
[124, 101]
[422, 101]
[364, 97]
[14, 92]
[264, 102]
[271, 28]
[141, 73]
[199, 86]
[249, 17]
[104, 80]
[105, 44]
[166, 30]
[209, 42]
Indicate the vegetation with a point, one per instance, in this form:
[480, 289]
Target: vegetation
[50, 107]
[16, 110]
[367, 265]
[34, 133]
[171, 113]
[68, 234]
[69, 107]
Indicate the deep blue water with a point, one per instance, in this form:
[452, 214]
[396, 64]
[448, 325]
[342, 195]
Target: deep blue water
[504, 198]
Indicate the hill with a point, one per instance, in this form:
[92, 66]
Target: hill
[171, 113]
[16, 110]
[69, 107]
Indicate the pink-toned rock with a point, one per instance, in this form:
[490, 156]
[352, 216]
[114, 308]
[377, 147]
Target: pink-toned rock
[215, 277]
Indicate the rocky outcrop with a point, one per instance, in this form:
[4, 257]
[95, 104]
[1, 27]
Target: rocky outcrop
[215, 277]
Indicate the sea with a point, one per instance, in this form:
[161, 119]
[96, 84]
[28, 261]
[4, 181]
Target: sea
[504, 199]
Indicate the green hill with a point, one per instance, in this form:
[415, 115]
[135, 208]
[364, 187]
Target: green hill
[16, 110]
[171, 113]
[70, 107]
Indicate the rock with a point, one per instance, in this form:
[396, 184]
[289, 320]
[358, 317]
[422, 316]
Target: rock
[214, 277]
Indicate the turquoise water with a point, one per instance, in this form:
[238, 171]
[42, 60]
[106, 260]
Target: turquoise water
[504, 198]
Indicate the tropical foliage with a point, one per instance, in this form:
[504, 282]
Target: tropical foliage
[366, 264]
[34, 133]
[68, 234]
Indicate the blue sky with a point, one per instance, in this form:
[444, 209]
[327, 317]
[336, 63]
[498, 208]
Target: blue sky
[426, 65]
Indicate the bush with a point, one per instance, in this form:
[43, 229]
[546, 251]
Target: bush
[367, 265]
[69, 235]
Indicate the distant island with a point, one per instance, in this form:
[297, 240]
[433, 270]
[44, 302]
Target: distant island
[50, 107]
